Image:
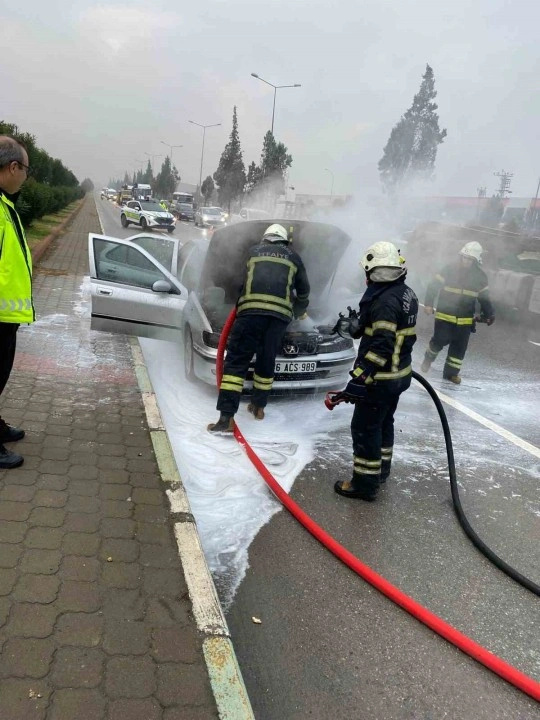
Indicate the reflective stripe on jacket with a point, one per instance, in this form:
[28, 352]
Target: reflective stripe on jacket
[458, 289]
[16, 304]
[276, 282]
[388, 313]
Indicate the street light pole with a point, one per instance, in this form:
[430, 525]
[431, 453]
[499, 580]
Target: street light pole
[332, 186]
[276, 88]
[202, 151]
[171, 149]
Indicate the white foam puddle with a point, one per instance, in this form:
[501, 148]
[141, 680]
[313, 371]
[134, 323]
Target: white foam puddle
[229, 499]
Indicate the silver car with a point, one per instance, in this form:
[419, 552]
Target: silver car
[209, 217]
[160, 287]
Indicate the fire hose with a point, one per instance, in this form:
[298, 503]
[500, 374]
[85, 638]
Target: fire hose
[494, 663]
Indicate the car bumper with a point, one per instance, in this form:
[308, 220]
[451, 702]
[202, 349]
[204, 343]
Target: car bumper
[332, 371]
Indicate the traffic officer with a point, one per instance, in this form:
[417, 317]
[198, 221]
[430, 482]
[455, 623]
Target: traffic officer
[275, 290]
[16, 305]
[459, 286]
[382, 371]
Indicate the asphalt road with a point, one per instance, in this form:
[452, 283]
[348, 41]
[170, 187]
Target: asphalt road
[329, 646]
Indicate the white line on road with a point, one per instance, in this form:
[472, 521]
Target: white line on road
[534, 343]
[523, 444]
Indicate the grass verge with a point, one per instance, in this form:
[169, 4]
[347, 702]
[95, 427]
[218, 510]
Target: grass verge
[39, 229]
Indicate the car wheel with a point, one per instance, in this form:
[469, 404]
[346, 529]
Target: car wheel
[170, 230]
[124, 220]
[144, 224]
[189, 356]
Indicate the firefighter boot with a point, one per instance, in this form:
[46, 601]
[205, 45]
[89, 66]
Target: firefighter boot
[426, 364]
[256, 411]
[9, 459]
[224, 426]
[456, 379]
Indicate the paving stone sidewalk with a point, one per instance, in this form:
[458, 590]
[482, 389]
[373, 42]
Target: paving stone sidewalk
[95, 618]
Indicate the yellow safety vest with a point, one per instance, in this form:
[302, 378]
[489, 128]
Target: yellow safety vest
[16, 304]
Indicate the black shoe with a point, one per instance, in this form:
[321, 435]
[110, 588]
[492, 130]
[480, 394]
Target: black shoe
[9, 459]
[8, 433]
[224, 426]
[345, 488]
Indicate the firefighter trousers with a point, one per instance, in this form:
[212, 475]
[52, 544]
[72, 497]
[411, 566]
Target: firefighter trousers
[457, 338]
[372, 431]
[260, 335]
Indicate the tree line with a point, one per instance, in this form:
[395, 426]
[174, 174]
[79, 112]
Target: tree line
[51, 185]
[233, 184]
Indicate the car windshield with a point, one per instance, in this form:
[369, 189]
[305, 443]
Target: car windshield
[151, 206]
[185, 206]
[211, 211]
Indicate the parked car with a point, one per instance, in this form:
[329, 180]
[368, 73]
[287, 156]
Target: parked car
[184, 211]
[209, 217]
[159, 287]
[148, 214]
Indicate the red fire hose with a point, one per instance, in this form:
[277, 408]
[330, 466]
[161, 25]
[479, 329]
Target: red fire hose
[488, 659]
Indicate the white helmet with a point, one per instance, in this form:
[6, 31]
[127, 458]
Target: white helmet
[381, 254]
[472, 250]
[276, 233]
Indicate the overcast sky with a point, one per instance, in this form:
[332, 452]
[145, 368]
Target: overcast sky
[101, 84]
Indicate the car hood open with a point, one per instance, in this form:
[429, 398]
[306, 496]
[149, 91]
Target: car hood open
[321, 247]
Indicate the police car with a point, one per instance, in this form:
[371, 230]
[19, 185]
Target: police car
[148, 214]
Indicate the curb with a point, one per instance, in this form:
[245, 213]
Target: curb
[225, 676]
[224, 672]
[39, 250]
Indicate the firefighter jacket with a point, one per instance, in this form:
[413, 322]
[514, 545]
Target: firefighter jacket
[459, 288]
[276, 282]
[16, 304]
[387, 321]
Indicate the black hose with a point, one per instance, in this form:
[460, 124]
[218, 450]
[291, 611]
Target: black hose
[471, 534]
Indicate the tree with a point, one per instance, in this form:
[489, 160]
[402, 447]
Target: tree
[253, 177]
[126, 179]
[87, 185]
[269, 176]
[411, 150]
[231, 173]
[207, 189]
[148, 175]
[166, 180]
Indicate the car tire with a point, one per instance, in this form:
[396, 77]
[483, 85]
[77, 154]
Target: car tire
[189, 356]
[124, 221]
[170, 230]
[144, 224]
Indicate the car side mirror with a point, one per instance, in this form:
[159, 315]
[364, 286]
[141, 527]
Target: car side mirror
[162, 286]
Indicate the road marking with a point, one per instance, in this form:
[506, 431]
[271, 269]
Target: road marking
[534, 343]
[523, 444]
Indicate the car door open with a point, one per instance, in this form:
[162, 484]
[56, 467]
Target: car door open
[132, 293]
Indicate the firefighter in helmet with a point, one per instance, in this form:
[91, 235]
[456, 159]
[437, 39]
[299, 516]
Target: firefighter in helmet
[382, 371]
[459, 286]
[275, 290]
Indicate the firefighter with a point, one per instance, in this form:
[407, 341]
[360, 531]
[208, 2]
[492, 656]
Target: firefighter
[275, 290]
[459, 286]
[382, 371]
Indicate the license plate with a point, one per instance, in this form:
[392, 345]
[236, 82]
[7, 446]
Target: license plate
[296, 366]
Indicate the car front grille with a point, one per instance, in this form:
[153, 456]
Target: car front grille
[335, 345]
[164, 221]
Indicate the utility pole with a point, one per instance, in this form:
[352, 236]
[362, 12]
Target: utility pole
[276, 88]
[504, 185]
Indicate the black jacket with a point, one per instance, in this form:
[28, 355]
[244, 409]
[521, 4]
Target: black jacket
[276, 282]
[459, 288]
[388, 313]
